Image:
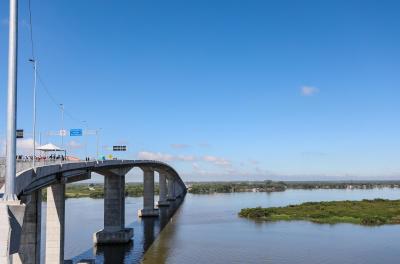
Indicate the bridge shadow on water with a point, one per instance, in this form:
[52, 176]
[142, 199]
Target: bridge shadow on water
[146, 231]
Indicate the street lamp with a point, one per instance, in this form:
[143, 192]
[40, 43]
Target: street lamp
[34, 112]
[97, 143]
[12, 104]
[85, 136]
[62, 131]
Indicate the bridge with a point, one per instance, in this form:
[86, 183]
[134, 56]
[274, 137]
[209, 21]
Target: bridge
[20, 221]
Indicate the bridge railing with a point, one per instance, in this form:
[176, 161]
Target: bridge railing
[25, 164]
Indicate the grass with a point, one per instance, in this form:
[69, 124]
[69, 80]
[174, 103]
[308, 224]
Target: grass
[365, 212]
[96, 191]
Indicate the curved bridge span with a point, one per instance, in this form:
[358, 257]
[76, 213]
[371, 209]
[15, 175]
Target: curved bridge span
[31, 180]
[24, 246]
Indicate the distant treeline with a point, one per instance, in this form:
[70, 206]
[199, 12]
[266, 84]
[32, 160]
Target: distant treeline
[96, 190]
[230, 187]
[279, 186]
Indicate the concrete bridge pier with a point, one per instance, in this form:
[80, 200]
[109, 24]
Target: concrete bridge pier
[148, 194]
[114, 209]
[178, 190]
[163, 189]
[20, 233]
[11, 220]
[29, 249]
[171, 190]
[55, 224]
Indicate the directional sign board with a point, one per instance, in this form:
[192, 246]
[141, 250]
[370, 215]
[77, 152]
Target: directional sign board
[75, 132]
[63, 132]
[20, 133]
[119, 148]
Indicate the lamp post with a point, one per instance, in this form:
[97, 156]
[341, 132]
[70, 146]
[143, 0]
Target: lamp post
[12, 103]
[97, 142]
[85, 132]
[62, 131]
[34, 112]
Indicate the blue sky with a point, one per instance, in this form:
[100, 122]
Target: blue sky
[219, 89]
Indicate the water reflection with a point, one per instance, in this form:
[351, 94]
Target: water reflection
[161, 250]
[146, 231]
[148, 225]
[164, 212]
[207, 229]
[112, 254]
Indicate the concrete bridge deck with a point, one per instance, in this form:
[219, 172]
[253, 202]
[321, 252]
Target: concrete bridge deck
[20, 232]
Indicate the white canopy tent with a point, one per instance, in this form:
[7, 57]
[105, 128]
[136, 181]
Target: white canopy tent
[51, 148]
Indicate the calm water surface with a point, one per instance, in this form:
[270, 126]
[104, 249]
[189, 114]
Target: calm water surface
[206, 229]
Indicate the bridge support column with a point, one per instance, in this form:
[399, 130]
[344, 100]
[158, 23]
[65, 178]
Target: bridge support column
[55, 224]
[178, 190]
[29, 249]
[11, 219]
[114, 211]
[171, 190]
[148, 194]
[163, 189]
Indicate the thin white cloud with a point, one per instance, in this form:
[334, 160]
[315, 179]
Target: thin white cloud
[179, 146]
[217, 161]
[75, 144]
[146, 155]
[186, 158]
[230, 174]
[314, 154]
[309, 90]
[25, 146]
[254, 162]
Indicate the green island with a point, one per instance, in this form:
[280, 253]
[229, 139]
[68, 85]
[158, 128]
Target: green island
[365, 212]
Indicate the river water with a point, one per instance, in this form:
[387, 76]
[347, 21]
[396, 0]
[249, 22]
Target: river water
[206, 229]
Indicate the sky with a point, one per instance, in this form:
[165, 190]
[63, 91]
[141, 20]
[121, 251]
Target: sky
[221, 90]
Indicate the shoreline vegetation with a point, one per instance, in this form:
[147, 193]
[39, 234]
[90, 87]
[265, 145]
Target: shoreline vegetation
[280, 186]
[366, 212]
[96, 190]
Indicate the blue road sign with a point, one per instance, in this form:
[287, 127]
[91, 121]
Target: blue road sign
[75, 132]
